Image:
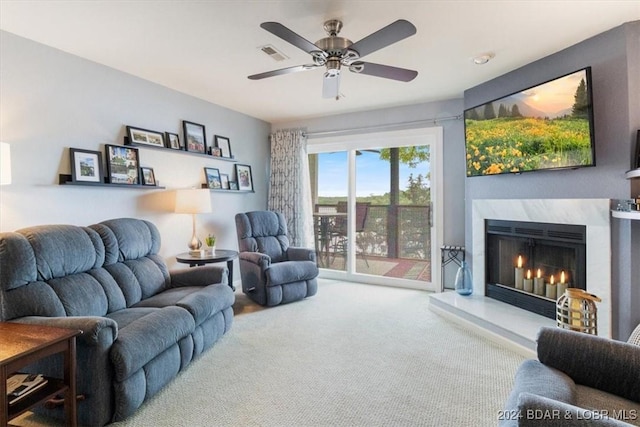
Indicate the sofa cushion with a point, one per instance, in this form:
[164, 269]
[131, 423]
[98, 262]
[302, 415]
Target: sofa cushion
[128, 315]
[291, 271]
[201, 302]
[81, 295]
[62, 250]
[603, 402]
[17, 261]
[146, 337]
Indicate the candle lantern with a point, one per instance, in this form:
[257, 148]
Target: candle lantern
[576, 310]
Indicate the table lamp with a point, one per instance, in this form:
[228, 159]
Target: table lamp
[5, 163]
[193, 201]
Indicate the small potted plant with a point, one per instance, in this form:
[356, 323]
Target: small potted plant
[211, 242]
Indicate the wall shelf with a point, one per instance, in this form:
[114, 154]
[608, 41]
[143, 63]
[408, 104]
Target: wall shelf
[172, 150]
[64, 179]
[224, 190]
[633, 173]
[626, 214]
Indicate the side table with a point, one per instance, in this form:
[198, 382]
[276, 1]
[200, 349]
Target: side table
[22, 344]
[220, 255]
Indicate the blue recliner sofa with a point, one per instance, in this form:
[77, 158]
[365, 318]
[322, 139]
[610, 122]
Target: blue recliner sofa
[141, 323]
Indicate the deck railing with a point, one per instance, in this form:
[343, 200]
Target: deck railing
[409, 236]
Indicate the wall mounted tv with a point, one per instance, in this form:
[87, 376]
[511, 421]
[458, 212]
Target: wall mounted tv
[548, 126]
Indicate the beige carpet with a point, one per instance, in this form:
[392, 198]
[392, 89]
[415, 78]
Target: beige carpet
[353, 355]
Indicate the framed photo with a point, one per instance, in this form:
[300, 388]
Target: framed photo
[145, 137]
[224, 181]
[194, 137]
[123, 164]
[224, 145]
[148, 177]
[637, 158]
[86, 165]
[233, 185]
[173, 141]
[213, 177]
[216, 152]
[243, 175]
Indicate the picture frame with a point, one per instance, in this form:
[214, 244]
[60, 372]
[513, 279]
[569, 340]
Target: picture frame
[195, 137]
[244, 177]
[173, 141]
[216, 152]
[637, 157]
[223, 143]
[224, 181]
[233, 185]
[212, 176]
[148, 176]
[123, 164]
[139, 136]
[86, 165]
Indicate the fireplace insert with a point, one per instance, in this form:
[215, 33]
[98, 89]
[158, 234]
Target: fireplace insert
[528, 264]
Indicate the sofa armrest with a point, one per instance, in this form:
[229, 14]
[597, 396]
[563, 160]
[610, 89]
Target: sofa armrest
[199, 276]
[301, 254]
[536, 411]
[94, 328]
[261, 260]
[600, 363]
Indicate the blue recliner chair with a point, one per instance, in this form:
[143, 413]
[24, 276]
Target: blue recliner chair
[272, 272]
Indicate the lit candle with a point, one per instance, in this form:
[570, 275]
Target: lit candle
[562, 286]
[551, 288]
[538, 284]
[528, 282]
[519, 273]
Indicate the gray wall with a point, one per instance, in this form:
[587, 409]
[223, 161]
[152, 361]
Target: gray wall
[51, 100]
[615, 60]
[453, 148]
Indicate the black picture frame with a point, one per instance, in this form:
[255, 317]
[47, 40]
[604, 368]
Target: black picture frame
[244, 177]
[86, 166]
[172, 141]
[223, 143]
[139, 136]
[233, 185]
[212, 176]
[123, 164]
[637, 156]
[148, 176]
[195, 137]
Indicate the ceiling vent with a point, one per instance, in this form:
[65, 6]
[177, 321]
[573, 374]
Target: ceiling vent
[273, 53]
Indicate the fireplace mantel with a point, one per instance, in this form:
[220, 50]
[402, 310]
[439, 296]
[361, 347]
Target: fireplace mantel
[592, 213]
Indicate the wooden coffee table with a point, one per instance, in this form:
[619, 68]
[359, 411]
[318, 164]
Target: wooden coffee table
[22, 344]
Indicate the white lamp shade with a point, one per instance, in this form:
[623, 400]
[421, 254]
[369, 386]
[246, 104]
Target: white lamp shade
[193, 201]
[5, 163]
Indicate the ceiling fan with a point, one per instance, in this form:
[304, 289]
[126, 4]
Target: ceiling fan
[333, 52]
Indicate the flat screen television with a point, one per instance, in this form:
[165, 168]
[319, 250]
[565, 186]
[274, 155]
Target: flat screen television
[548, 126]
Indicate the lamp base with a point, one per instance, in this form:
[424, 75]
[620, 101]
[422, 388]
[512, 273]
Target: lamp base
[197, 253]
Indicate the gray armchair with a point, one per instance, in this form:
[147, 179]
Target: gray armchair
[578, 380]
[273, 272]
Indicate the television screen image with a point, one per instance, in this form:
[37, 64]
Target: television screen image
[549, 126]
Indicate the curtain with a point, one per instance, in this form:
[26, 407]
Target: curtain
[290, 187]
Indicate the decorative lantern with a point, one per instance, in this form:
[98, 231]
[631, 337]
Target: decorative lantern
[576, 310]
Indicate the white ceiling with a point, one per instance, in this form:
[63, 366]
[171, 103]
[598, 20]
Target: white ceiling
[208, 48]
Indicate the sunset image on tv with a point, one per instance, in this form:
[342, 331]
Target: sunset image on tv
[544, 127]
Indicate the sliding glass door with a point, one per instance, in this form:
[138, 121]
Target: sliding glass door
[376, 199]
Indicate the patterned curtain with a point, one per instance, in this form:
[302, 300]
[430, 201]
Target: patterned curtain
[290, 186]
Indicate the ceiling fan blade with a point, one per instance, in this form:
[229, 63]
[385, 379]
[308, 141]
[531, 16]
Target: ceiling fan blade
[331, 85]
[282, 71]
[287, 35]
[392, 33]
[385, 71]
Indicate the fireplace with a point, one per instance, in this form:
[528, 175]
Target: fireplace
[547, 253]
[594, 214]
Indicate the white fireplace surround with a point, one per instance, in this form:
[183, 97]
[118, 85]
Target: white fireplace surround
[592, 213]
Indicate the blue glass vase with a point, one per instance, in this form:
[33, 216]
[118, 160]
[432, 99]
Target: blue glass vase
[464, 282]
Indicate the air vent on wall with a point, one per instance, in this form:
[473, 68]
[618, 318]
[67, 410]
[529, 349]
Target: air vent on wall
[273, 53]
